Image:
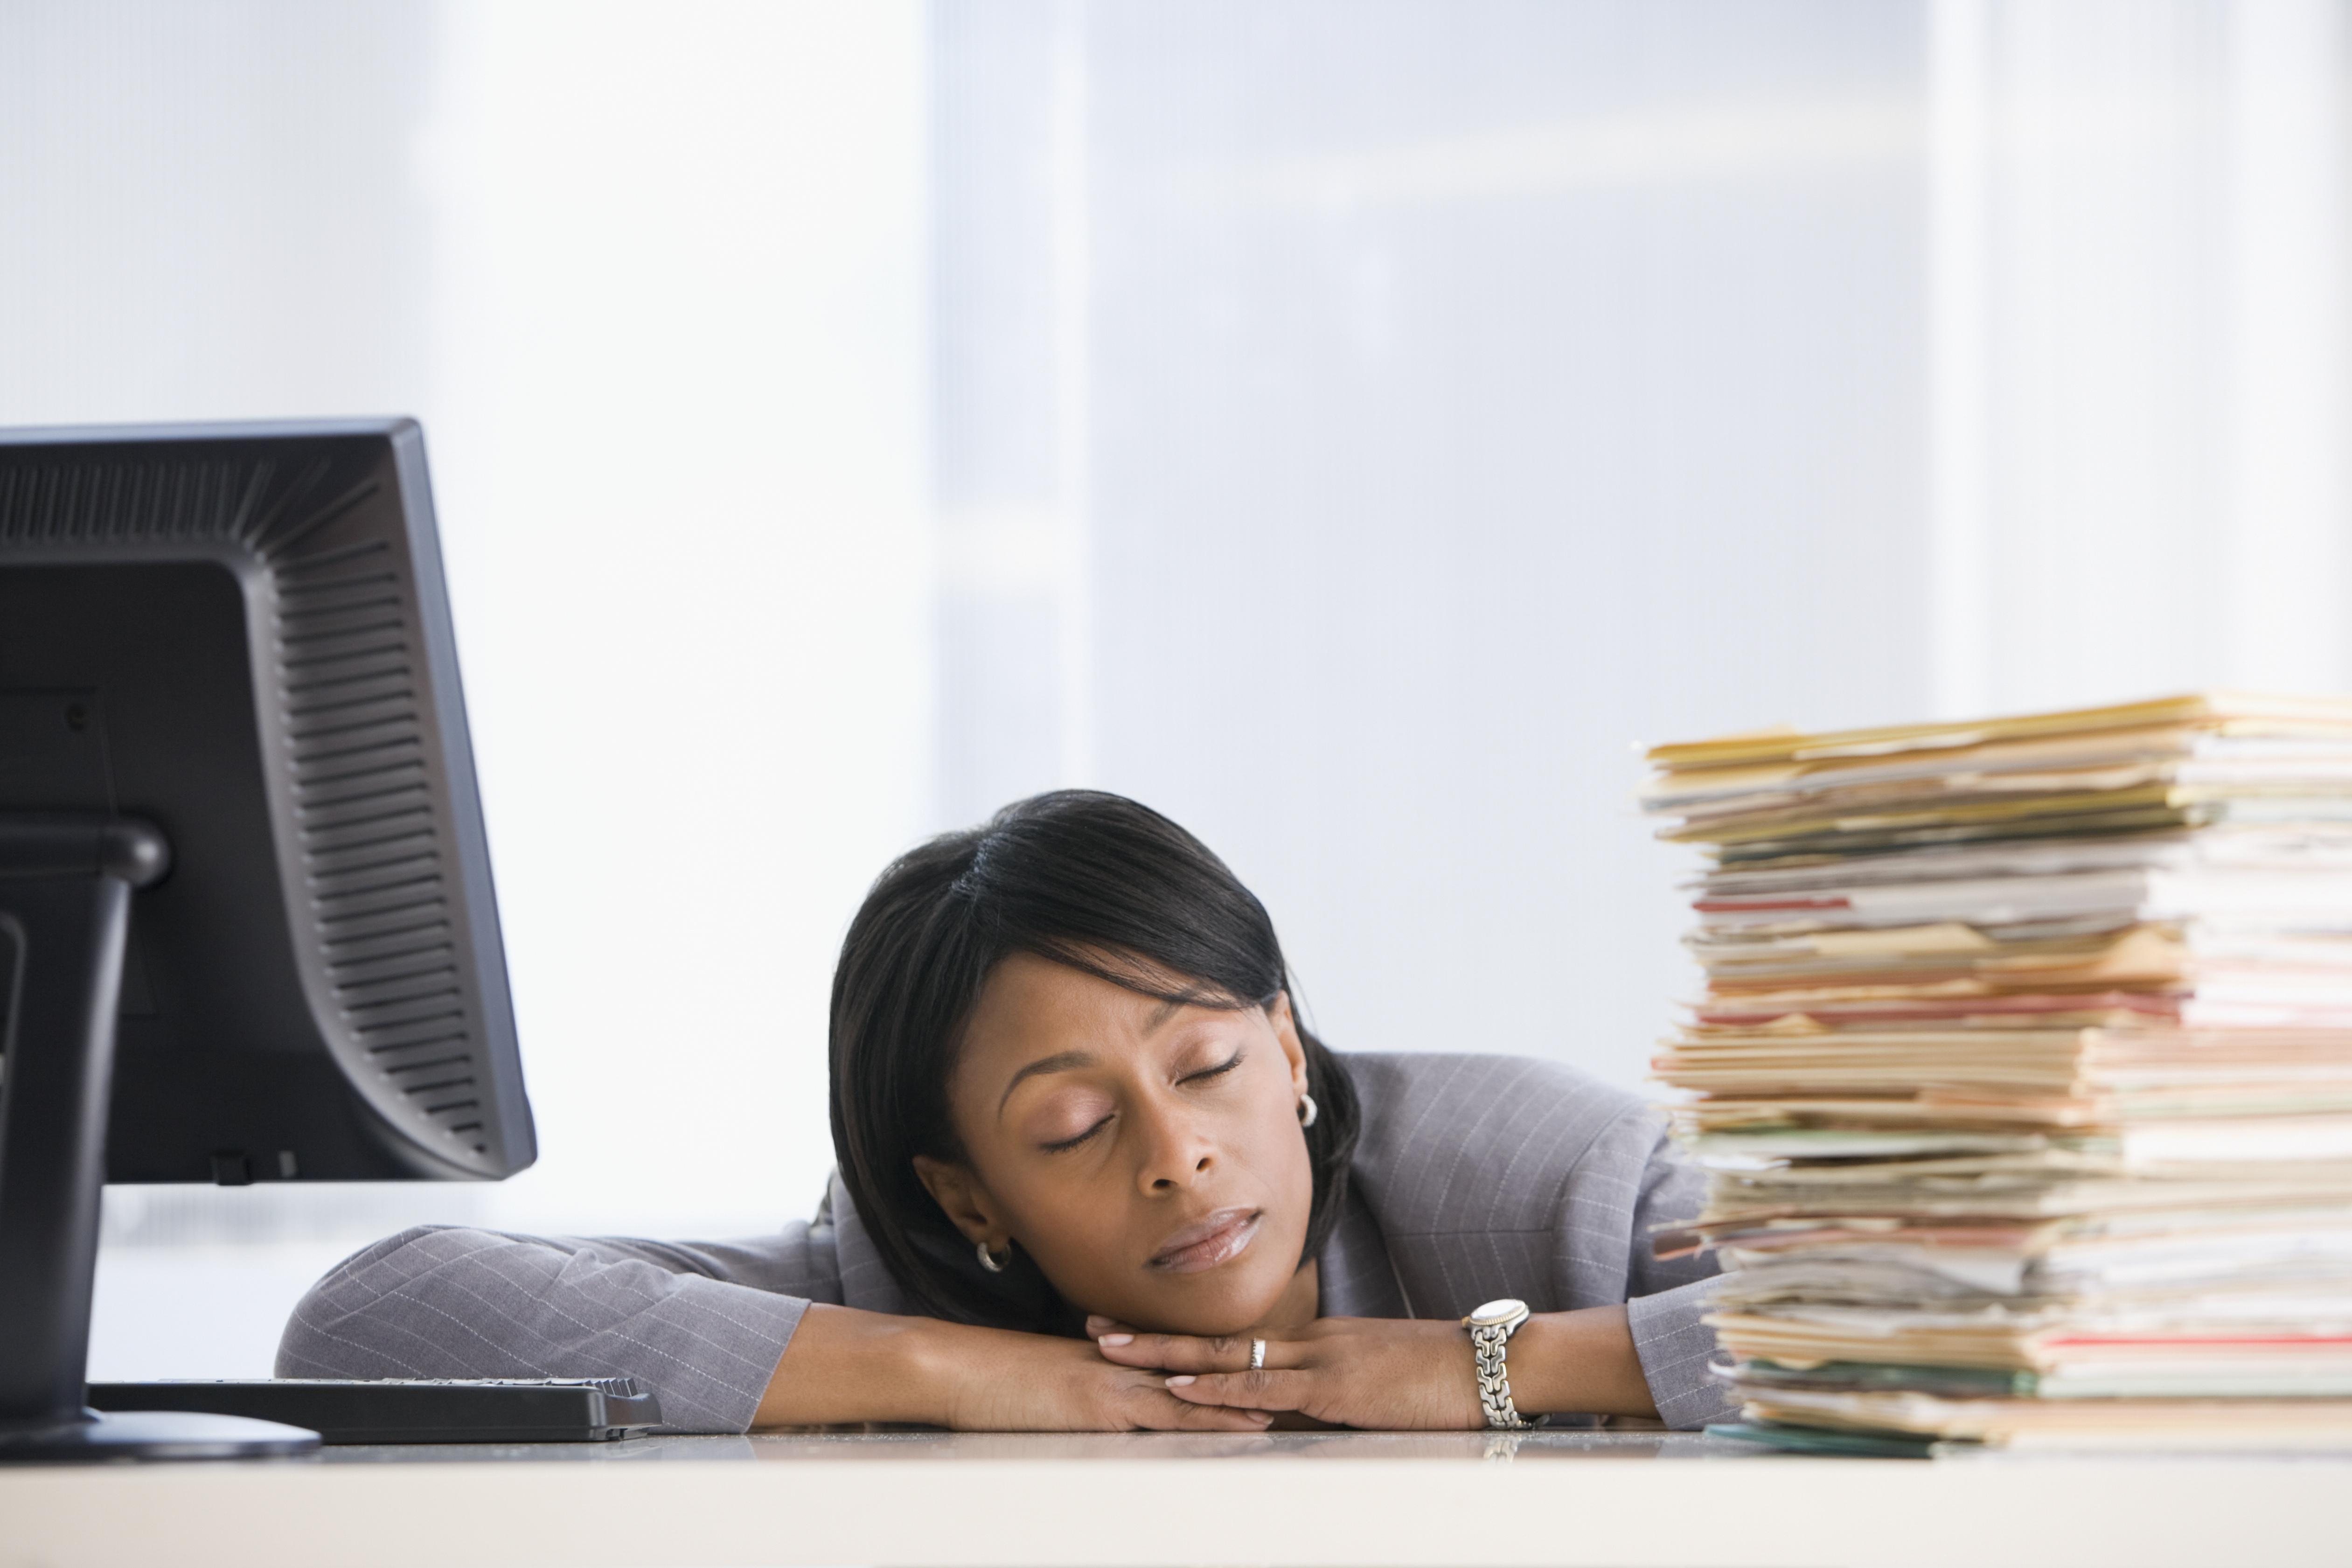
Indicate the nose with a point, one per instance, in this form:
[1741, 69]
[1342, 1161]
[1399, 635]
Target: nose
[1174, 1152]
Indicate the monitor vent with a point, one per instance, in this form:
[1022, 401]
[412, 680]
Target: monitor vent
[258, 503]
[355, 741]
[82, 501]
[352, 730]
[353, 720]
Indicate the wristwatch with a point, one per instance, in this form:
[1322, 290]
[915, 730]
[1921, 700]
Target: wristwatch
[1491, 1327]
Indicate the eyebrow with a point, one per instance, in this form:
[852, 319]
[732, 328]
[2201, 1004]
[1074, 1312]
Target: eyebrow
[1061, 1061]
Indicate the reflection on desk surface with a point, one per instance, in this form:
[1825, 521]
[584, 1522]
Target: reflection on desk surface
[924, 1443]
[928, 1445]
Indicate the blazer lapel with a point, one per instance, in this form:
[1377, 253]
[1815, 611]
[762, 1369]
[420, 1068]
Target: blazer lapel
[1354, 1274]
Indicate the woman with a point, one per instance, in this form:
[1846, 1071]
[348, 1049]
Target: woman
[1095, 1174]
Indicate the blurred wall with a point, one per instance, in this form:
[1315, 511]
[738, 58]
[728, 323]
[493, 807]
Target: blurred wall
[1436, 402]
[653, 278]
[1353, 427]
[2138, 264]
[1404, 411]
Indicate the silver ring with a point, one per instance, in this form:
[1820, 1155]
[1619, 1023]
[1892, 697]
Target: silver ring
[1257, 1354]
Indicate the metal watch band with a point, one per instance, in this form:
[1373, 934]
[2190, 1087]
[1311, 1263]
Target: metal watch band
[1489, 1341]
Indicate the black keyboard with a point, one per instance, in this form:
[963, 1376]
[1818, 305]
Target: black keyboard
[402, 1410]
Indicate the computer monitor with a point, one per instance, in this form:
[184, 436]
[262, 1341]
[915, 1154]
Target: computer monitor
[246, 926]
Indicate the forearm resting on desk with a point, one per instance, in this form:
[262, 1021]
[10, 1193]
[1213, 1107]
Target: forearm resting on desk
[845, 1365]
[1583, 1361]
[1398, 1373]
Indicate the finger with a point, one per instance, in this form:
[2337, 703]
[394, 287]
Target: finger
[1187, 1352]
[1160, 1413]
[1097, 1326]
[1270, 1389]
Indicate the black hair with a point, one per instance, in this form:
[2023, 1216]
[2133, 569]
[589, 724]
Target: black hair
[1084, 879]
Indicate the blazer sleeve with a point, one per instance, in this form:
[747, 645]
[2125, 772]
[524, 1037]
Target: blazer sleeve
[702, 1324]
[1666, 1299]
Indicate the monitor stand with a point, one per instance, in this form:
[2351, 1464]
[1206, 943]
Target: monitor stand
[64, 907]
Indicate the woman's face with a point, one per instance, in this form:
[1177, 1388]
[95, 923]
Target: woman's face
[1147, 1154]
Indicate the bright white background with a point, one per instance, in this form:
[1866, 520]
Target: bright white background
[1351, 425]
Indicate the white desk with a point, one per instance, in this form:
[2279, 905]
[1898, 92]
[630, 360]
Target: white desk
[1354, 1499]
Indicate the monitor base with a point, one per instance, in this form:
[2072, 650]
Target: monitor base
[154, 1435]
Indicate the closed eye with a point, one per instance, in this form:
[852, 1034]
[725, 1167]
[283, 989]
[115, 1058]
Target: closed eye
[1205, 1074]
[1218, 1071]
[1066, 1144]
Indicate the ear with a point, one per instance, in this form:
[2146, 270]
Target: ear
[964, 1200]
[1285, 1032]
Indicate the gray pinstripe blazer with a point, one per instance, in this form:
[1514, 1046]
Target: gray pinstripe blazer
[1477, 1177]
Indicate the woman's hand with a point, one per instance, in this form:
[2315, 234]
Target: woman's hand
[1397, 1374]
[1391, 1374]
[848, 1365]
[1031, 1382]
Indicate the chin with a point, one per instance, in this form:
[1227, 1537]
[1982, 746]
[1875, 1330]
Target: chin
[1226, 1306]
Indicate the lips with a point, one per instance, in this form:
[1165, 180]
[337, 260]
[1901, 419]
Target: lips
[1217, 1238]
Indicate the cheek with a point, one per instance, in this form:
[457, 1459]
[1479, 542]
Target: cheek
[1072, 1221]
[1078, 1235]
[1288, 1172]
[1274, 1136]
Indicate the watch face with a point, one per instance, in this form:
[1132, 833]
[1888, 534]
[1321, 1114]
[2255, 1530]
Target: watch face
[1493, 1314]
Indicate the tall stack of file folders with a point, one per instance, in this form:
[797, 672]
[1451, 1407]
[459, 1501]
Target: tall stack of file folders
[2023, 1077]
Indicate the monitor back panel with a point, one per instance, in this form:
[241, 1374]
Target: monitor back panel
[242, 639]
